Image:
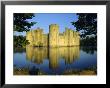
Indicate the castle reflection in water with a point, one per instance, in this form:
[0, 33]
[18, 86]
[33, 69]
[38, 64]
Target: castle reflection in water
[38, 54]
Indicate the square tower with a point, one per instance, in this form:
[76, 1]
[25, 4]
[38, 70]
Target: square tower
[53, 35]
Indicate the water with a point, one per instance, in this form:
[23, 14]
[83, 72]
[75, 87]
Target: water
[53, 61]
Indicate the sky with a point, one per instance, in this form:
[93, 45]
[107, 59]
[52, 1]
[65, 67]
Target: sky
[45, 19]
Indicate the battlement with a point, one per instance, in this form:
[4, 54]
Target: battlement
[38, 30]
[54, 25]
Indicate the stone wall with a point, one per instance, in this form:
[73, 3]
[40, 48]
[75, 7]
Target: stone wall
[54, 38]
[61, 40]
[53, 35]
[29, 37]
[45, 39]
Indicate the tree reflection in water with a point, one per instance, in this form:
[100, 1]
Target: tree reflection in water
[89, 49]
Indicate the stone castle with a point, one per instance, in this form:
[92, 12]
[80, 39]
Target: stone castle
[53, 38]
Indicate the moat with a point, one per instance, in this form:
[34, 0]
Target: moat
[55, 61]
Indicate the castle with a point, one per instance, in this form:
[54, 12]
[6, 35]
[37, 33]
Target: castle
[53, 38]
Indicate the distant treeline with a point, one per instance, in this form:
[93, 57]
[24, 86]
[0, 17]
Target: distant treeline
[88, 41]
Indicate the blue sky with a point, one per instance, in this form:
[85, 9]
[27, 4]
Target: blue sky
[45, 19]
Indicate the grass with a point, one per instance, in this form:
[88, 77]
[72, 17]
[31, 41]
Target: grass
[20, 71]
[86, 71]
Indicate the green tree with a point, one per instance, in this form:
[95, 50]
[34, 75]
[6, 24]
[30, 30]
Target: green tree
[21, 22]
[20, 41]
[86, 24]
[88, 41]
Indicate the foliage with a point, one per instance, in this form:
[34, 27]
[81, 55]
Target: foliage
[88, 41]
[87, 26]
[21, 22]
[20, 41]
[89, 49]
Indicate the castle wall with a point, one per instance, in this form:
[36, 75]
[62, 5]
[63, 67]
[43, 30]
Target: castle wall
[61, 40]
[53, 35]
[76, 38]
[45, 40]
[54, 38]
[38, 37]
[69, 37]
[29, 37]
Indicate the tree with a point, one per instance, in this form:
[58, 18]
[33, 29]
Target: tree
[86, 24]
[88, 41]
[20, 41]
[21, 22]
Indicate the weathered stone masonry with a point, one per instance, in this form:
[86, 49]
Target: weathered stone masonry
[53, 38]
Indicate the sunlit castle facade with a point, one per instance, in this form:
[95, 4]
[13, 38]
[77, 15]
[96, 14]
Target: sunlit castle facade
[54, 38]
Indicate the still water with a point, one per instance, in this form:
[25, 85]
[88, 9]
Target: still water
[53, 61]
